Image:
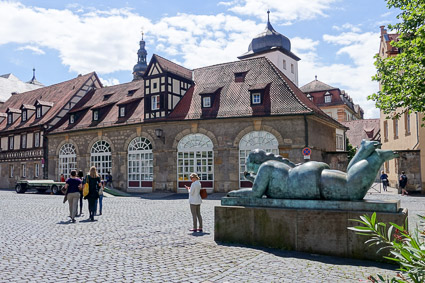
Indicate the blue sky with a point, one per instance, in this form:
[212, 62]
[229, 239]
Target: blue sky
[335, 39]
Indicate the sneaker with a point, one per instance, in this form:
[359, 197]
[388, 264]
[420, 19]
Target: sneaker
[193, 230]
[73, 220]
[199, 230]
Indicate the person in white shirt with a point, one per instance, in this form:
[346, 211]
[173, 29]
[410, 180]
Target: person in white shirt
[195, 202]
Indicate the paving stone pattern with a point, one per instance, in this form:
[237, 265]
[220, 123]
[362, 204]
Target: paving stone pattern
[145, 238]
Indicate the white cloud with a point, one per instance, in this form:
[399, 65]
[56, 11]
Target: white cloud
[281, 10]
[347, 26]
[34, 49]
[109, 82]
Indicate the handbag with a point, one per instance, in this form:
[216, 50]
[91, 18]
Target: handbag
[203, 193]
[101, 191]
[86, 188]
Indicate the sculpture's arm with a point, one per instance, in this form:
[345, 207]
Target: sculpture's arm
[249, 176]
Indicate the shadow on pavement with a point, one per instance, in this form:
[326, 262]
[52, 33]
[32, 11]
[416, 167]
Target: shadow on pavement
[320, 258]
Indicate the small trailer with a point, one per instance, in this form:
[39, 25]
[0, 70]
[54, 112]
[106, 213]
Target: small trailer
[40, 185]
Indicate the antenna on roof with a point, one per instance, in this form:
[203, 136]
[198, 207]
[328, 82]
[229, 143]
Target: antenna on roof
[315, 77]
[142, 33]
[268, 15]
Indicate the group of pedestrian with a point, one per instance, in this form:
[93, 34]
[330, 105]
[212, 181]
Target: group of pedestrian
[402, 182]
[74, 192]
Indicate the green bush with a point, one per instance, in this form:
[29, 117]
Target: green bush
[406, 249]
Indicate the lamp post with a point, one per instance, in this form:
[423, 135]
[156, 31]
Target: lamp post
[159, 133]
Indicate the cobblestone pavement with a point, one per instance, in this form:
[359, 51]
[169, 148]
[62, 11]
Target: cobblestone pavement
[146, 239]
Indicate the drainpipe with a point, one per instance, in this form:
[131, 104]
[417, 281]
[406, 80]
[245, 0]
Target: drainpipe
[417, 131]
[306, 130]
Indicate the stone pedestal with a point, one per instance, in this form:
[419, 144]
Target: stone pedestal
[321, 231]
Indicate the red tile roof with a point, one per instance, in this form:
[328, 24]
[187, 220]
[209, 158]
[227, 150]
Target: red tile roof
[57, 95]
[172, 67]
[119, 96]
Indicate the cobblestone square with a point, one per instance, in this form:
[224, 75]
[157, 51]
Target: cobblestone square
[145, 238]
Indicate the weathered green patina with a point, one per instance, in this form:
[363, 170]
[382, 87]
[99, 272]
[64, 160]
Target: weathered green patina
[279, 178]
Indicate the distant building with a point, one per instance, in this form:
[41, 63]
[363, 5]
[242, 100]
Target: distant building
[25, 119]
[10, 85]
[404, 135]
[364, 129]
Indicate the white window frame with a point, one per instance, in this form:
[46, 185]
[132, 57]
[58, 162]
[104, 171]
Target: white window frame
[24, 141]
[11, 140]
[328, 98]
[140, 161]
[9, 118]
[67, 159]
[206, 101]
[24, 115]
[122, 111]
[72, 118]
[24, 170]
[101, 157]
[37, 139]
[339, 142]
[36, 170]
[255, 140]
[256, 98]
[195, 154]
[155, 102]
[38, 112]
[95, 115]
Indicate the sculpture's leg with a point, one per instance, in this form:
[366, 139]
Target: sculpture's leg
[241, 193]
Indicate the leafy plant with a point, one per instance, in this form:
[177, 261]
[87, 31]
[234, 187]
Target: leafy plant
[407, 249]
[351, 150]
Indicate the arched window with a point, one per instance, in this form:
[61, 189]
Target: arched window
[195, 155]
[101, 158]
[67, 159]
[253, 140]
[140, 163]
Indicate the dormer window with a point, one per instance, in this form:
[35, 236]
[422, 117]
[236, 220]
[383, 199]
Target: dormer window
[38, 112]
[107, 96]
[95, 115]
[206, 101]
[256, 98]
[122, 111]
[309, 96]
[155, 102]
[328, 97]
[24, 115]
[9, 118]
[72, 118]
[240, 77]
[131, 92]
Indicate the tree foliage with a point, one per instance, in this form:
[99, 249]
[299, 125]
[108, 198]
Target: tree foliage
[402, 77]
[351, 150]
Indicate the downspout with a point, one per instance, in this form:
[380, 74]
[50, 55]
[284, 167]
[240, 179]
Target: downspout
[305, 130]
[417, 131]
[45, 155]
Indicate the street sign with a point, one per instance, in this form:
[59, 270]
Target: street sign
[306, 152]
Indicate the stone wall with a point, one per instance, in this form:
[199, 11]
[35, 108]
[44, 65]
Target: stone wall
[337, 160]
[225, 136]
[410, 162]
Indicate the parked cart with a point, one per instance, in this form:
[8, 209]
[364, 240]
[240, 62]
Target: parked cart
[40, 185]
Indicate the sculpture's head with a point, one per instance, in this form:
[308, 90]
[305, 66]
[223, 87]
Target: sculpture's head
[254, 160]
[386, 155]
[368, 147]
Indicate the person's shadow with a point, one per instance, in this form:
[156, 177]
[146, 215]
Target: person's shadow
[198, 234]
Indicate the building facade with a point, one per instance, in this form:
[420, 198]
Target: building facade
[25, 119]
[152, 133]
[404, 135]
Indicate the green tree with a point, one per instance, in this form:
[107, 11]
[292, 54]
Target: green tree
[402, 77]
[351, 150]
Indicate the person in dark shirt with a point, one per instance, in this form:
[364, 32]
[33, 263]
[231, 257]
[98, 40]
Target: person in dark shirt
[93, 180]
[384, 180]
[81, 177]
[73, 186]
[403, 183]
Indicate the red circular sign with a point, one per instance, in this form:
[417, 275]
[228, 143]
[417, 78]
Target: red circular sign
[306, 151]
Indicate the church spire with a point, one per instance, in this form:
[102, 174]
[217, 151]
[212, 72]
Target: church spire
[141, 66]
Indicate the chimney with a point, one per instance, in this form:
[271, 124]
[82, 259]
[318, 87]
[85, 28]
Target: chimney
[383, 30]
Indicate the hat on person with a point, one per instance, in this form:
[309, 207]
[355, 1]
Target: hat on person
[194, 175]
